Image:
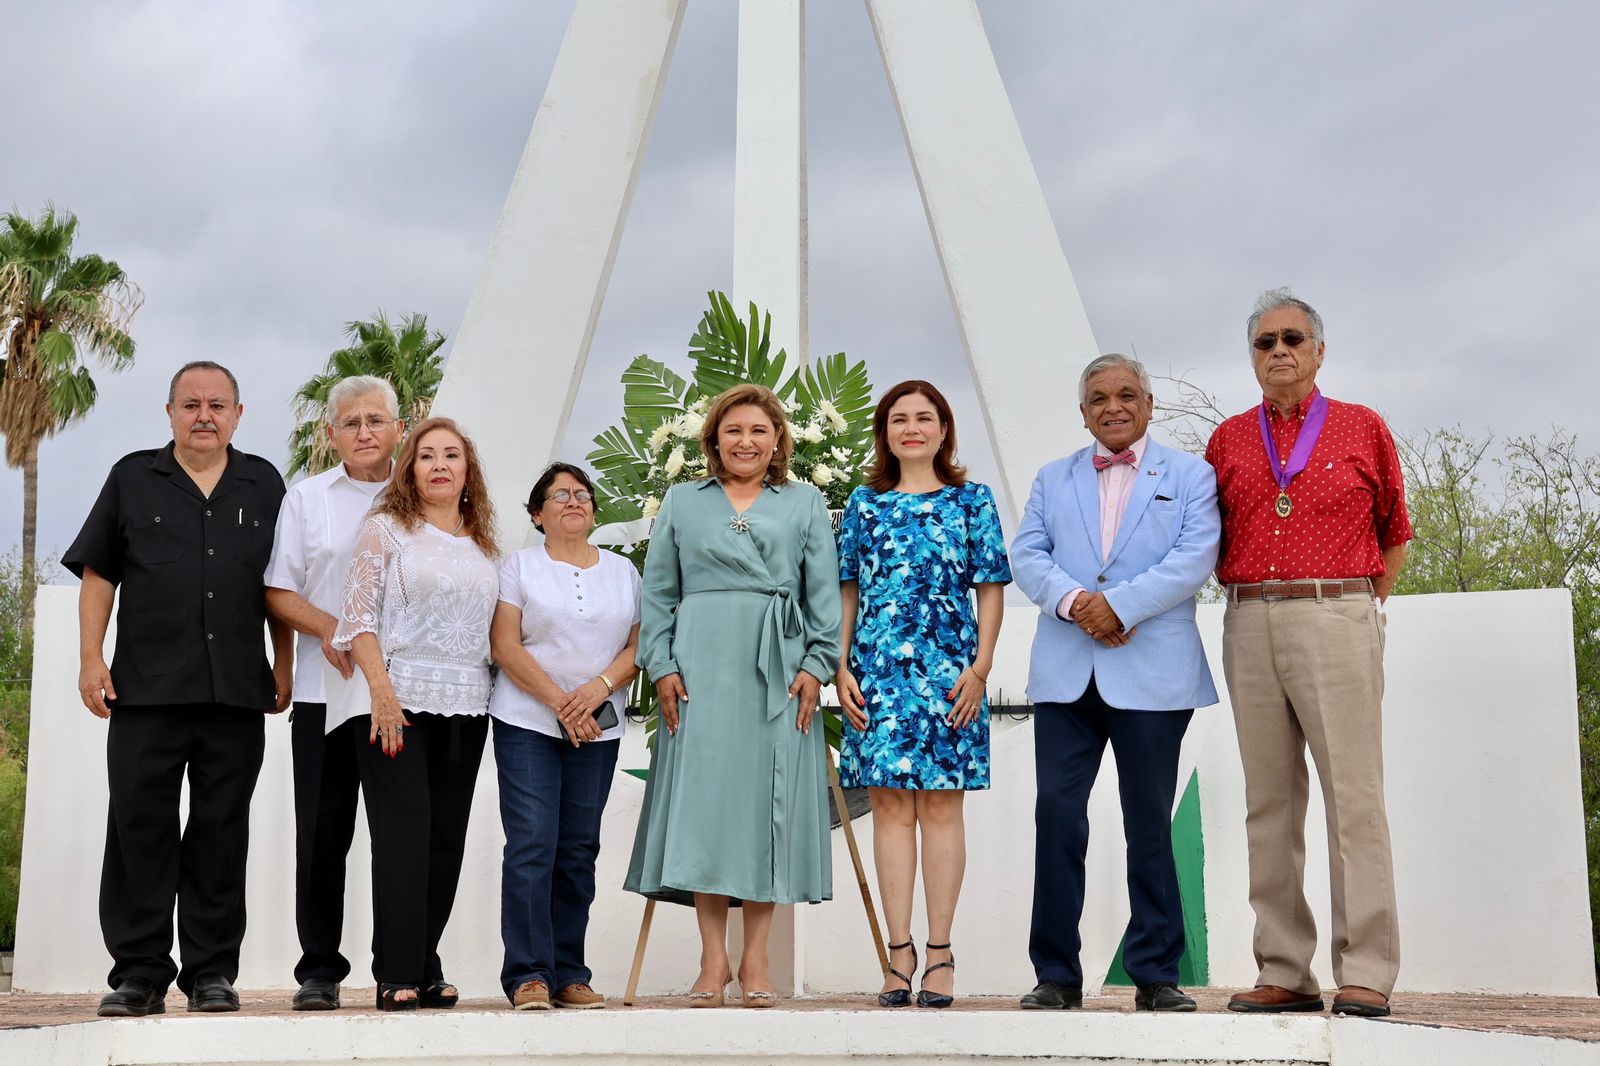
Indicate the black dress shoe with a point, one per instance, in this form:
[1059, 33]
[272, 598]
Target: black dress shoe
[134, 998]
[213, 994]
[1163, 997]
[317, 993]
[1047, 995]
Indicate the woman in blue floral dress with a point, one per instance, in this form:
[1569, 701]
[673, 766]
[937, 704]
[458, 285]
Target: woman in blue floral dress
[913, 544]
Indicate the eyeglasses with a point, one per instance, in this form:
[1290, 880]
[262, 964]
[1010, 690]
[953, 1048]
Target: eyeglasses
[562, 496]
[351, 426]
[1292, 338]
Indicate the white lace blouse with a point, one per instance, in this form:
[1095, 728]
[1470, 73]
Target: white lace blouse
[428, 597]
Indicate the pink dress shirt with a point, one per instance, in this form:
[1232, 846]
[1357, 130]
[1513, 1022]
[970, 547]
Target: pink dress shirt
[1116, 485]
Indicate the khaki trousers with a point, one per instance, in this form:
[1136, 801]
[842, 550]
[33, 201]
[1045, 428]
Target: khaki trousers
[1303, 672]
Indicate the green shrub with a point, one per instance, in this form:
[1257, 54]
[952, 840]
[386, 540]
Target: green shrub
[13, 794]
[14, 721]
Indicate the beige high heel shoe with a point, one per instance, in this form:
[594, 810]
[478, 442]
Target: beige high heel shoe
[710, 999]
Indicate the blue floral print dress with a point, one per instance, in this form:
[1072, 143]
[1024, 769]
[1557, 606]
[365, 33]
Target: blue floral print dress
[915, 558]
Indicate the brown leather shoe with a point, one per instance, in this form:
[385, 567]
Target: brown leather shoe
[1273, 999]
[579, 996]
[531, 995]
[1361, 1002]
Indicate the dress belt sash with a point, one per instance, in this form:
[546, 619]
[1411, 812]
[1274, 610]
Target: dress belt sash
[780, 622]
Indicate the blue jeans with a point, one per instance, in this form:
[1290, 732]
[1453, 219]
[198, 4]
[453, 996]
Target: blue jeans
[551, 799]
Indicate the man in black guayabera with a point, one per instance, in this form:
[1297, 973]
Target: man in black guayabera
[186, 531]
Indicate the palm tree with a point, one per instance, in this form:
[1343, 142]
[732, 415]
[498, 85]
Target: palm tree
[405, 354]
[55, 311]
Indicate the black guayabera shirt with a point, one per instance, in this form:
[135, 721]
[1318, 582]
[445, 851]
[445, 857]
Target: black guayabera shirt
[192, 608]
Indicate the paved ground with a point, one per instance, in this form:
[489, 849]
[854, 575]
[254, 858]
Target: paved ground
[1534, 1015]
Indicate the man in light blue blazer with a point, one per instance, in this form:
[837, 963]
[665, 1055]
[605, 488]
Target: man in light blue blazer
[1116, 540]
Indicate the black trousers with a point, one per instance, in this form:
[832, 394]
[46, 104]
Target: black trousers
[151, 859]
[1068, 742]
[326, 786]
[417, 808]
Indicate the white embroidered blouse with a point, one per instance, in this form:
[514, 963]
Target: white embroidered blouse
[428, 597]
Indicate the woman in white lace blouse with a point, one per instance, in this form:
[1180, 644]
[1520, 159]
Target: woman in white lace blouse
[419, 597]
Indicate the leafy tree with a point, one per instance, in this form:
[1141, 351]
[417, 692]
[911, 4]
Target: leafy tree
[56, 312]
[405, 354]
[16, 670]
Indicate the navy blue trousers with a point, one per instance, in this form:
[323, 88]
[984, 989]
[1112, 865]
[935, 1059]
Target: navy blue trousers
[552, 796]
[1069, 741]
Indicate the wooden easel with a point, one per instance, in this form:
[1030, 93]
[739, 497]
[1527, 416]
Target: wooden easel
[861, 882]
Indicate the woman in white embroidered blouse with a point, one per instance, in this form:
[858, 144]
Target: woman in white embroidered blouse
[565, 632]
[419, 596]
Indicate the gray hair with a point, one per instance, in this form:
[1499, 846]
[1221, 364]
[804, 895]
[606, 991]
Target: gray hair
[201, 364]
[354, 388]
[1111, 361]
[1273, 300]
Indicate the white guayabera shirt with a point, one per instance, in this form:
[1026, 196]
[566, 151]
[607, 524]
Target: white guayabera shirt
[428, 597]
[574, 622]
[317, 528]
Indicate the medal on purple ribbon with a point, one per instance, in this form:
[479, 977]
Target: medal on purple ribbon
[1284, 472]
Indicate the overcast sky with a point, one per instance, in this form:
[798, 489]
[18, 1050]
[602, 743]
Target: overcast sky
[1425, 173]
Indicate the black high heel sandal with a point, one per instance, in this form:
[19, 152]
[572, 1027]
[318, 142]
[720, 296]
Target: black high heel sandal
[434, 996]
[900, 997]
[936, 999]
[388, 997]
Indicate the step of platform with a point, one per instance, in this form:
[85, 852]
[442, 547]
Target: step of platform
[741, 1037]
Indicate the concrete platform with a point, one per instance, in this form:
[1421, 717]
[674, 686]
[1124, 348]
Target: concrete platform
[1459, 1030]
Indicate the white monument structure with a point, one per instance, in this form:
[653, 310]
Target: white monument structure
[1481, 742]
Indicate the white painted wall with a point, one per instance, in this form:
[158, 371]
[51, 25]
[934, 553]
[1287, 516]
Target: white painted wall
[1481, 758]
[1484, 806]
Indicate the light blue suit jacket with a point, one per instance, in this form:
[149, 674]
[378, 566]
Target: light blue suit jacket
[1166, 547]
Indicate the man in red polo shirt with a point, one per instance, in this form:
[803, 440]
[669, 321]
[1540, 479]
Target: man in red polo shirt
[1314, 533]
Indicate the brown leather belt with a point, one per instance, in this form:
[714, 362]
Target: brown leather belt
[1309, 588]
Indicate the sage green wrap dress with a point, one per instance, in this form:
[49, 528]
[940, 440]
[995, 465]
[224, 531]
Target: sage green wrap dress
[736, 802]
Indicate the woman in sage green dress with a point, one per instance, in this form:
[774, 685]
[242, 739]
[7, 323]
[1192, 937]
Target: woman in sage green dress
[739, 622]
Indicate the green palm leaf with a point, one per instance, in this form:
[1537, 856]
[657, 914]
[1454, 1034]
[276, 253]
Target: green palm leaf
[651, 393]
[846, 386]
[728, 352]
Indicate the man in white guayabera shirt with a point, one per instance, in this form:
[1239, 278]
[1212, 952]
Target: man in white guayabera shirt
[316, 534]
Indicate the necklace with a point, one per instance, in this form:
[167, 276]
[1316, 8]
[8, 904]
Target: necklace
[459, 523]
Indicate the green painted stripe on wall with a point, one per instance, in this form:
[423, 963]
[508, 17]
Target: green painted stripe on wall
[1189, 851]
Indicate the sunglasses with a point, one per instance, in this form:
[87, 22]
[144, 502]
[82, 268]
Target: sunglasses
[1292, 338]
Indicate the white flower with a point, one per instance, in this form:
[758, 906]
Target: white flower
[831, 414]
[691, 424]
[698, 464]
[811, 433]
[822, 474]
[839, 455]
[660, 436]
[674, 464]
[699, 406]
[791, 407]
[651, 507]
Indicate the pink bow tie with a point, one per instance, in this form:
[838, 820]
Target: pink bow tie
[1106, 462]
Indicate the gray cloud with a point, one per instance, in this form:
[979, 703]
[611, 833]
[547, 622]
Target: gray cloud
[266, 171]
